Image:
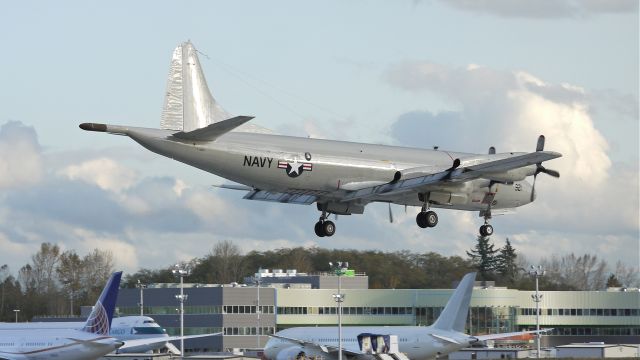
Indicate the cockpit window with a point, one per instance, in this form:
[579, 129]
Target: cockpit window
[149, 330]
[149, 322]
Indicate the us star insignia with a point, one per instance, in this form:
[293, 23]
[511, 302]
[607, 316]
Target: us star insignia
[294, 168]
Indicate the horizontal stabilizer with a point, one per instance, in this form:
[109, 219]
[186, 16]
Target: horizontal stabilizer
[508, 335]
[213, 131]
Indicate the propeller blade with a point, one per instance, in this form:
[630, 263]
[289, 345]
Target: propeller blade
[405, 208]
[551, 172]
[540, 144]
[390, 214]
[533, 187]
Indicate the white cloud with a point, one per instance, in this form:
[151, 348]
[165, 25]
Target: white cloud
[125, 255]
[20, 156]
[594, 199]
[103, 172]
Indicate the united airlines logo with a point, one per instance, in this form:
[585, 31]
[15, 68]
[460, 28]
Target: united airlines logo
[98, 321]
[295, 168]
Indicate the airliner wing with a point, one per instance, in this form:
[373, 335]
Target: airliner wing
[452, 175]
[507, 335]
[329, 349]
[159, 340]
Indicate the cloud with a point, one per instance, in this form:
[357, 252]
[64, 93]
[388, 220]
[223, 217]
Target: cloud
[544, 8]
[20, 156]
[594, 199]
[104, 172]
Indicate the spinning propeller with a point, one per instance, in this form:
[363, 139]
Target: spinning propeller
[540, 168]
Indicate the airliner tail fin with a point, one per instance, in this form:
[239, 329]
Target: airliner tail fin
[454, 315]
[99, 321]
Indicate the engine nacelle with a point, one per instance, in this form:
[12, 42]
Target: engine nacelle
[511, 175]
[339, 208]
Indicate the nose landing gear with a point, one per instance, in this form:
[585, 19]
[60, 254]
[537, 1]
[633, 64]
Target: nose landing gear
[486, 229]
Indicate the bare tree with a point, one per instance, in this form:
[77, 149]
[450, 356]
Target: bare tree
[627, 275]
[43, 265]
[98, 266]
[70, 270]
[228, 261]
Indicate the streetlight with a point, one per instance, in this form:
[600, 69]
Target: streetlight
[258, 329]
[16, 311]
[181, 271]
[537, 272]
[340, 269]
[141, 286]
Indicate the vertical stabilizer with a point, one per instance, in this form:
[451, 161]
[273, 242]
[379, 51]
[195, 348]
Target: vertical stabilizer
[99, 321]
[454, 315]
[188, 104]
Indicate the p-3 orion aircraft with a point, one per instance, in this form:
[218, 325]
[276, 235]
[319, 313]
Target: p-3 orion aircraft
[340, 177]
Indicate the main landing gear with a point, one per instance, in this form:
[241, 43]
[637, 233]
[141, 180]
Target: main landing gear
[324, 227]
[426, 218]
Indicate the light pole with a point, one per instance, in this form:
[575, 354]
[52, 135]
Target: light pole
[16, 311]
[340, 269]
[181, 272]
[141, 286]
[258, 310]
[537, 272]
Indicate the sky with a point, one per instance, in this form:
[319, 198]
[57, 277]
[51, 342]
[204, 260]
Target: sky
[460, 74]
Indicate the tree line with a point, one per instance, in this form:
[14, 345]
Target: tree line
[57, 282]
[404, 269]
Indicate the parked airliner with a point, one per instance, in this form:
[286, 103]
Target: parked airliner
[122, 328]
[446, 335]
[88, 343]
[340, 177]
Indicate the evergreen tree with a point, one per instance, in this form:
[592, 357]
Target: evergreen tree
[506, 263]
[483, 257]
[613, 281]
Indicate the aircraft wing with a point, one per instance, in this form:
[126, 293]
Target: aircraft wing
[159, 340]
[507, 335]
[329, 349]
[281, 197]
[453, 175]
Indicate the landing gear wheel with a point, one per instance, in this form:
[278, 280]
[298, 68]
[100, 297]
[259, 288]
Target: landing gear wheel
[486, 230]
[328, 228]
[318, 229]
[421, 219]
[431, 218]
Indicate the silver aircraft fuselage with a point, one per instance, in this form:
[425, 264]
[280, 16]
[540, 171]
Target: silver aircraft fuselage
[330, 168]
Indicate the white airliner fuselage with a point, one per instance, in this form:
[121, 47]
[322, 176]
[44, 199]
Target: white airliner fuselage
[444, 336]
[122, 328]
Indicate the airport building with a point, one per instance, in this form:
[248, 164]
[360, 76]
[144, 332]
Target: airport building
[295, 299]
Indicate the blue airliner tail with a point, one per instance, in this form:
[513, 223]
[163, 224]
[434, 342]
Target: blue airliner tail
[99, 321]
